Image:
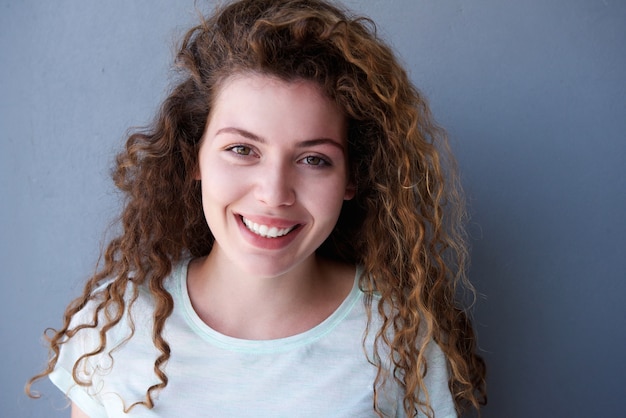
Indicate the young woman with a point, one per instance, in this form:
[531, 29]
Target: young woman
[292, 238]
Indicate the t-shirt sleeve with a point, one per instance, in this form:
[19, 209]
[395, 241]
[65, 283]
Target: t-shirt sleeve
[85, 340]
[436, 381]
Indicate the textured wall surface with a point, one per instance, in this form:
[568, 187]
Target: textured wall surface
[533, 95]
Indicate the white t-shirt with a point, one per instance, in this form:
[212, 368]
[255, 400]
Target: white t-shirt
[322, 372]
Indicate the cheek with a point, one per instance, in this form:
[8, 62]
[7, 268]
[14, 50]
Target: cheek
[326, 199]
[216, 199]
[217, 177]
[219, 188]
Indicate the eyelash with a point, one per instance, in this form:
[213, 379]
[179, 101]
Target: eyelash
[243, 151]
[322, 161]
[235, 149]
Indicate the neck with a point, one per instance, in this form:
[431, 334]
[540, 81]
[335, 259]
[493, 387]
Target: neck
[244, 305]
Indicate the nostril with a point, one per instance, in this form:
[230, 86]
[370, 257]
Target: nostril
[277, 191]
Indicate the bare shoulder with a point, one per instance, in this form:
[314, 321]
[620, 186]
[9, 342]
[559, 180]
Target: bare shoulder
[77, 412]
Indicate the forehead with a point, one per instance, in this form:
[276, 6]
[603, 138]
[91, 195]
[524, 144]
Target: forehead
[268, 105]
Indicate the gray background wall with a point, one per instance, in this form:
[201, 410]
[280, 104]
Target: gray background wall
[533, 94]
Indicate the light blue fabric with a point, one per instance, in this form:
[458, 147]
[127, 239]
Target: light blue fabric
[320, 373]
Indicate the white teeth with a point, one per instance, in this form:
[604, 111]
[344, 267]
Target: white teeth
[266, 231]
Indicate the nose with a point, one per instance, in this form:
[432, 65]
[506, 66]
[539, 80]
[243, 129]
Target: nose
[275, 185]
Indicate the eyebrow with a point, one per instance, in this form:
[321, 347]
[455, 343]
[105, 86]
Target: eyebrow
[261, 140]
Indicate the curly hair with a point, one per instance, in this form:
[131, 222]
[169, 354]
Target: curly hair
[404, 226]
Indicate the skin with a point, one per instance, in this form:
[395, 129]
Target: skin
[274, 153]
[77, 412]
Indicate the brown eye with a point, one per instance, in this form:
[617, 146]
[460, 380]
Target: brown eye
[315, 161]
[241, 150]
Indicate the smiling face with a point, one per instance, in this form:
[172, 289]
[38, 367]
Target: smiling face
[274, 171]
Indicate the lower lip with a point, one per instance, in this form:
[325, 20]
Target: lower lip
[267, 243]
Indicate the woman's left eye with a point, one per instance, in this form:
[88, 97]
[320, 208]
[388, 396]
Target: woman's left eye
[315, 161]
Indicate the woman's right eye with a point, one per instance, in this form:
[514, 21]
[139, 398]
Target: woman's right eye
[240, 150]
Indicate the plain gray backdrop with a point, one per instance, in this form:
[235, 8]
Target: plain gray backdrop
[532, 93]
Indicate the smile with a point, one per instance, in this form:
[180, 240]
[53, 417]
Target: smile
[267, 231]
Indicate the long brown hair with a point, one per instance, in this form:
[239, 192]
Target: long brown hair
[405, 224]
